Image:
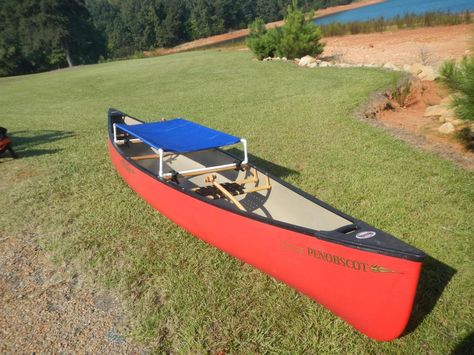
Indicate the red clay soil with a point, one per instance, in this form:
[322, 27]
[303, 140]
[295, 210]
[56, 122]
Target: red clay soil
[410, 124]
[427, 45]
[213, 40]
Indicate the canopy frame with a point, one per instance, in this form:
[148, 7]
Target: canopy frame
[191, 172]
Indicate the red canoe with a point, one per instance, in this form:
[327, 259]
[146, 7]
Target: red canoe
[362, 274]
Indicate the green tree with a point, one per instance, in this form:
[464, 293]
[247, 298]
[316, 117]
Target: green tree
[228, 11]
[296, 38]
[12, 60]
[63, 25]
[174, 24]
[200, 20]
[270, 10]
[459, 78]
[263, 43]
[40, 35]
[300, 36]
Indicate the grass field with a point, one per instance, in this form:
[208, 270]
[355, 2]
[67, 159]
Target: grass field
[184, 296]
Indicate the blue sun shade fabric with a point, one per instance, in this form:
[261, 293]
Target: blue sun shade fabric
[178, 135]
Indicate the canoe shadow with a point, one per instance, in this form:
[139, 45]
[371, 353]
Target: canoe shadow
[272, 168]
[434, 278]
[24, 142]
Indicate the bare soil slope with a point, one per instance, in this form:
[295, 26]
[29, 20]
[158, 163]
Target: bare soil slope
[410, 124]
[428, 45]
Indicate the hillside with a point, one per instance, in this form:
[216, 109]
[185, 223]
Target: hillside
[180, 294]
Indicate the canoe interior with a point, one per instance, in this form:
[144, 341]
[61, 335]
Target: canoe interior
[278, 203]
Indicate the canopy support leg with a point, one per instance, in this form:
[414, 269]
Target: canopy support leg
[160, 169]
[246, 158]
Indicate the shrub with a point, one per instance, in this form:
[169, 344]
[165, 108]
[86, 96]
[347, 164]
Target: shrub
[299, 35]
[466, 137]
[459, 78]
[296, 38]
[402, 92]
[263, 43]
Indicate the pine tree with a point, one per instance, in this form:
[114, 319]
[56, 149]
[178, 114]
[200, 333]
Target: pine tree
[300, 36]
[296, 38]
[459, 78]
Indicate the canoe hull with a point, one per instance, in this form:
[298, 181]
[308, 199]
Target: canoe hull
[372, 292]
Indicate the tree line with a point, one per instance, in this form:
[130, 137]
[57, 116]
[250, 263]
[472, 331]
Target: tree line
[39, 35]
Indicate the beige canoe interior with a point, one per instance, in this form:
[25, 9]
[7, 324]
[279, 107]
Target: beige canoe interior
[259, 194]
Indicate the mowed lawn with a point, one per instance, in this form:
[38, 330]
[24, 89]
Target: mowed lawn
[182, 295]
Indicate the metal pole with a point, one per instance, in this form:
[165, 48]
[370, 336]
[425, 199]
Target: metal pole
[160, 171]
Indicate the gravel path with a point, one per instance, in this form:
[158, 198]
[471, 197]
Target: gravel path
[43, 308]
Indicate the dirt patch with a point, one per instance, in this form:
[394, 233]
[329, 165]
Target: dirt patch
[46, 309]
[428, 45]
[409, 123]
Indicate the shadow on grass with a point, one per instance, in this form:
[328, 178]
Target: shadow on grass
[25, 141]
[466, 346]
[272, 168]
[434, 278]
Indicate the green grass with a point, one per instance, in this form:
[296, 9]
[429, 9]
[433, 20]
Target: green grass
[183, 295]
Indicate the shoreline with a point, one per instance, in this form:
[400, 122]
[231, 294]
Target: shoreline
[341, 8]
[229, 36]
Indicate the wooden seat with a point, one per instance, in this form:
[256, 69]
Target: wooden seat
[214, 193]
[230, 189]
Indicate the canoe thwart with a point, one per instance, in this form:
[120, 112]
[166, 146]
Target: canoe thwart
[148, 156]
[197, 173]
[144, 157]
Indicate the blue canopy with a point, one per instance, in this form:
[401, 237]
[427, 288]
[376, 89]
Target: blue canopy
[178, 135]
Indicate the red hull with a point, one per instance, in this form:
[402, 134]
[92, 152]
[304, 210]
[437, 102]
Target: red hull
[371, 291]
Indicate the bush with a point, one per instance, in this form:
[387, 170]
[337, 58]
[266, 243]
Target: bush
[299, 36]
[296, 38]
[466, 137]
[459, 78]
[263, 43]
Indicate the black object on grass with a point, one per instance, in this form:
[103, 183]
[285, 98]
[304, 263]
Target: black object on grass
[6, 143]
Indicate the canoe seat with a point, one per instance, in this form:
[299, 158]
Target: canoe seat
[214, 193]
[230, 189]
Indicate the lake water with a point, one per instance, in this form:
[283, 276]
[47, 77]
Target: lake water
[392, 8]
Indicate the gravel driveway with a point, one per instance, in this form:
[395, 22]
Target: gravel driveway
[43, 308]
